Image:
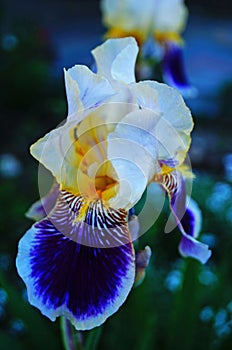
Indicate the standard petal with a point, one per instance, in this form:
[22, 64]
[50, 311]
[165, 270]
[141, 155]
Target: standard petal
[115, 60]
[173, 70]
[42, 207]
[54, 151]
[175, 122]
[132, 149]
[83, 283]
[128, 15]
[169, 16]
[169, 103]
[73, 95]
[85, 89]
[145, 95]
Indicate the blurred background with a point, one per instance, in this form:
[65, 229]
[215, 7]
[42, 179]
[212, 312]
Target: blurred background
[181, 304]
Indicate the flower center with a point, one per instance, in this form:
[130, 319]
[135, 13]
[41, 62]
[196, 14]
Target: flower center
[93, 174]
[106, 187]
[103, 183]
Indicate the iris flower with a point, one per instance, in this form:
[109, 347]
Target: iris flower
[163, 20]
[78, 259]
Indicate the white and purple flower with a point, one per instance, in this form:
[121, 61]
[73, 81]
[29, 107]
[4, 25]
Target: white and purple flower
[78, 260]
[163, 20]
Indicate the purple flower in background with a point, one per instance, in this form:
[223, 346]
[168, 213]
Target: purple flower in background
[173, 69]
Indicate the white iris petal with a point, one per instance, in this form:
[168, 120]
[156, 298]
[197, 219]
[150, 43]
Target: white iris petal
[132, 149]
[85, 89]
[127, 14]
[115, 60]
[169, 15]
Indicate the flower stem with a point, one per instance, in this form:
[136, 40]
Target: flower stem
[73, 340]
[68, 336]
[93, 339]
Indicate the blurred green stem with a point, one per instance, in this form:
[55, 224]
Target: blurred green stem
[68, 336]
[73, 340]
[93, 339]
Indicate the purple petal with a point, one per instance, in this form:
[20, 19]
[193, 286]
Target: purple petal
[172, 163]
[191, 247]
[173, 69]
[86, 284]
[174, 185]
[42, 208]
[90, 223]
[188, 222]
[191, 224]
[192, 219]
[186, 218]
[64, 278]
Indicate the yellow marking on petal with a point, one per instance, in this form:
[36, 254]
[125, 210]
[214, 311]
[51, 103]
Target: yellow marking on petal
[166, 169]
[163, 37]
[116, 32]
[110, 192]
[185, 171]
[90, 133]
[105, 185]
[82, 212]
[88, 171]
[103, 182]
